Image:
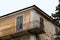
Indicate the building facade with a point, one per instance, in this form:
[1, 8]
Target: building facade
[30, 23]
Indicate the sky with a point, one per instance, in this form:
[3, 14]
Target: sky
[8, 6]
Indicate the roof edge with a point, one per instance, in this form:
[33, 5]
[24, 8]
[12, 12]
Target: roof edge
[35, 7]
[17, 11]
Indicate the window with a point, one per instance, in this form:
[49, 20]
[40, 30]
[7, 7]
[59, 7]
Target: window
[56, 29]
[19, 24]
[41, 23]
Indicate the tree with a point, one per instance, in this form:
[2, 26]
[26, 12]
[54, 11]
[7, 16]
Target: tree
[56, 15]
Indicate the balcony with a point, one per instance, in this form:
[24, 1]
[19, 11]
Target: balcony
[35, 30]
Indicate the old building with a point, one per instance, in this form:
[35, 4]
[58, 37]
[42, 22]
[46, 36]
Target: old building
[30, 23]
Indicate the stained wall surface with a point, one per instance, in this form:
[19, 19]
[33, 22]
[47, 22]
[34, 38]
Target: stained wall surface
[49, 27]
[8, 24]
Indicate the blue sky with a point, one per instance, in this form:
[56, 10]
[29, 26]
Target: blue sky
[8, 6]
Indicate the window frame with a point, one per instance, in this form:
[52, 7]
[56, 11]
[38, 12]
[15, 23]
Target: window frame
[42, 21]
[22, 23]
[41, 24]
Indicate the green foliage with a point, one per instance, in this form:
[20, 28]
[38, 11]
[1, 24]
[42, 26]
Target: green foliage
[58, 33]
[56, 15]
[58, 7]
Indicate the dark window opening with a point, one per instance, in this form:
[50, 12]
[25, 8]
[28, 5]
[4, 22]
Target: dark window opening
[41, 23]
[19, 25]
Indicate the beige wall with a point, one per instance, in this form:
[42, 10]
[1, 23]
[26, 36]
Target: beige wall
[8, 24]
[49, 26]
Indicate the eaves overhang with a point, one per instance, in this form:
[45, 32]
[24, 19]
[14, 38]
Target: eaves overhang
[37, 9]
